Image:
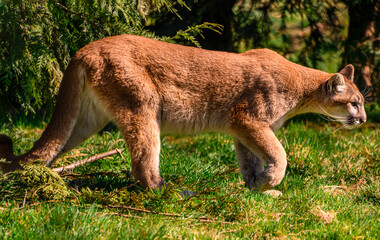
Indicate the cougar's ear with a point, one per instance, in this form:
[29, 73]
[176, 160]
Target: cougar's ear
[336, 83]
[348, 72]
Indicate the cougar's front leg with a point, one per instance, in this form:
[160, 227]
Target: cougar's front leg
[257, 145]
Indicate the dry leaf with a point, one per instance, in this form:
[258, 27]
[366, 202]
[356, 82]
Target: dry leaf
[324, 216]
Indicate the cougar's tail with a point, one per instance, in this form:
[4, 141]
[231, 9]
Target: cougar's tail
[61, 124]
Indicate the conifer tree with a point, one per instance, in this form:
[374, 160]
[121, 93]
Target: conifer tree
[38, 38]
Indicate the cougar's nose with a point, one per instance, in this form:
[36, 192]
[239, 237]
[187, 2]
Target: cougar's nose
[363, 120]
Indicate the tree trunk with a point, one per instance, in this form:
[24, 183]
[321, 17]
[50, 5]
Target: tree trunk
[213, 11]
[360, 45]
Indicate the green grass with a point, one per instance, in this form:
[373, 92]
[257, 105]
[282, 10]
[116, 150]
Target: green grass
[331, 190]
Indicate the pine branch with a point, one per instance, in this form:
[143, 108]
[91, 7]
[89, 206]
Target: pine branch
[78, 15]
[190, 33]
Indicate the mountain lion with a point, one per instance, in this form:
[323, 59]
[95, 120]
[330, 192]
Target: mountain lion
[147, 88]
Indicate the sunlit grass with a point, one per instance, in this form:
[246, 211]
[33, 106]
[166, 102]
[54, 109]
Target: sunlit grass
[331, 190]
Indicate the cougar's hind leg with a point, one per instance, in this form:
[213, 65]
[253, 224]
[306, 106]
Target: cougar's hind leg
[91, 119]
[141, 132]
[134, 104]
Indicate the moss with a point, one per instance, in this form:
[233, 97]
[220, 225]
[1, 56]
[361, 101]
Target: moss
[33, 182]
[126, 197]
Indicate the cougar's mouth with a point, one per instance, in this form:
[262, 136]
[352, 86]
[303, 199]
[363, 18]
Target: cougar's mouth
[355, 121]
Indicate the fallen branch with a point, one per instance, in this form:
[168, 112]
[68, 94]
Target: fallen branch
[121, 155]
[118, 214]
[144, 211]
[27, 205]
[230, 231]
[334, 187]
[186, 219]
[212, 221]
[172, 216]
[86, 160]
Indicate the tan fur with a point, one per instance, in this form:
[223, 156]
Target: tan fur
[149, 87]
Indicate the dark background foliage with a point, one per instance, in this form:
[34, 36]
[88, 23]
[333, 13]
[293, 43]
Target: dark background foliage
[37, 38]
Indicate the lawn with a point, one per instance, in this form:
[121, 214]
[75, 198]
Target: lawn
[331, 190]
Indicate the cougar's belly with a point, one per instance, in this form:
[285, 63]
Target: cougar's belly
[191, 118]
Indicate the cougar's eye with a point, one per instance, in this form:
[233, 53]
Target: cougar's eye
[354, 104]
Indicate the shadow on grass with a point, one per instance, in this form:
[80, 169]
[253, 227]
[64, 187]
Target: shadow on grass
[106, 180]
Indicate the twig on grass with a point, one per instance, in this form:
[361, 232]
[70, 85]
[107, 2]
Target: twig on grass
[144, 211]
[28, 205]
[335, 187]
[121, 155]
[191, 219]
[118, 214]
[171, 216]
[86, 160]
[83, 175]
[131, 185]
[230, 231]
[212, 221]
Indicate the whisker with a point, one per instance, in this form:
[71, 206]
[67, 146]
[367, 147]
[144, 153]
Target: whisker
[367, 94]
[358, 125]
[346, 123]
[350, 127]
[368, 98]
[330, 115]
[328, 118]
[337, 129]
[365, 91]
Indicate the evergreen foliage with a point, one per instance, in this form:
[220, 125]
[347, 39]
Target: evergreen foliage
[37, 39]
[322, 34]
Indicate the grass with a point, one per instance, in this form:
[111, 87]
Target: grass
[331, 190]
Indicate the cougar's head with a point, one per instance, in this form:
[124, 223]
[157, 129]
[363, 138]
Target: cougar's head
[343, 101]
[8, 161]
